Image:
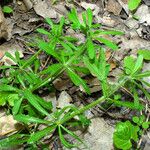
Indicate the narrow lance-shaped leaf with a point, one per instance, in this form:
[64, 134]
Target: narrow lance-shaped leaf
[138, 64]
[38, 135]
[108, 43]
[90, 48]
[90, 17]
[77, 80]
[34, 101]
[29, 119]
[63, 141]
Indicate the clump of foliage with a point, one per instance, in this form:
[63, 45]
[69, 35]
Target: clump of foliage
[21, 83]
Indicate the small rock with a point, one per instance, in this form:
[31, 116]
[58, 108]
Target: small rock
[132, 23]
[147, 2]
[144, 14]
[4, 29]
[93, 7]
[114, 7]
[64, 100]
[107, 21]
[28, 4]
[7, 125]
[43, 8]
[99, 135]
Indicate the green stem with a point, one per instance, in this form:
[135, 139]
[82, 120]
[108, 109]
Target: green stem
[94, 103]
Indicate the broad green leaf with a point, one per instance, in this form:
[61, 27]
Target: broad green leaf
[90, 48]
[138, 64]
[39, 134]
[7, 9]
[123, 134]
[29, 119]
[106, 42]
[133, 4]
[129, 64]
[145, 53]
[6, 88]
[77, 80]
[135, 119]
[33, 100]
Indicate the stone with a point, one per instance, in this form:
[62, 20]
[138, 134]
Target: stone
[43, 8]
[64, 100]
[114, 7]
[143, 14]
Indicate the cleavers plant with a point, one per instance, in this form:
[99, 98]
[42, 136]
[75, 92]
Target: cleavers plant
[20, 84]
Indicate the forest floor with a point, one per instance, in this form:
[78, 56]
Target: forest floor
[17, 30]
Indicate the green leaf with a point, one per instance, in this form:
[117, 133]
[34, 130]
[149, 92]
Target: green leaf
[138, 64]
[17, 105]
[90, 17]
[73, 17]
[93, 69]
[129, 64]
[13, 140]
[8, 97]
[72, 134]
[133, 4]
[43, 31]
[145, 125]
[127, 104]
[111, 32]
[77, 80]
[29, 119]
[145, 53]
[7, 9]
[38, 135]
[142, 75]
[123, 134]
[52, 69]
[34, 101]
[90, 48]
[135, 119]
[108, 43]
[63, 141]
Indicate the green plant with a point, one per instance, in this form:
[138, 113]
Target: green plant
[7, 9]
[24, 80]
[133, 4]
[126, 132]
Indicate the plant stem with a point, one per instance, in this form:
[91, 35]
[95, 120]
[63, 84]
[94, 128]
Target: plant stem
[94, 103]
